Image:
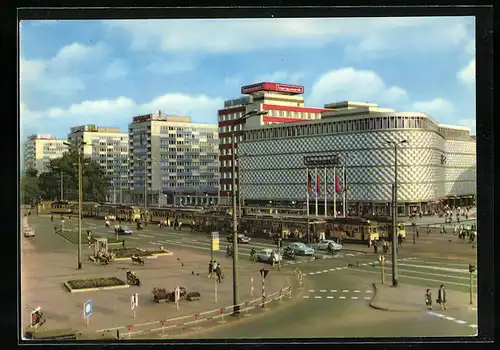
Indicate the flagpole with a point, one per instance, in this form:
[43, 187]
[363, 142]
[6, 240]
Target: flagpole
[316, 171]
[326, 184]
[307, 191]
[345, 193]
[334, 192]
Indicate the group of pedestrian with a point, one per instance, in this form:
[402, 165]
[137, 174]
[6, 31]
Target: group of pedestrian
[214, 267]
[441, 299]
[177, 224]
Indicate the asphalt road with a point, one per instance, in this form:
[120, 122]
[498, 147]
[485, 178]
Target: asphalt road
[336, 296]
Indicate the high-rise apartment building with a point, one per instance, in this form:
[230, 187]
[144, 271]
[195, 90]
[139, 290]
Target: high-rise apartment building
[181, 160]
[283, 103]
[109, 148]
[40, 149]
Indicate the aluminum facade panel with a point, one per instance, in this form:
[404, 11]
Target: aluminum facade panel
[274, 168]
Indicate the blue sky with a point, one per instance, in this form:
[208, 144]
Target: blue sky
[105, 72]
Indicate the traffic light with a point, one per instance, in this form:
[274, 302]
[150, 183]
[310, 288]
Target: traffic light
[472, 268]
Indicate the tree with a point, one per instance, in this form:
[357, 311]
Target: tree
[30, 190]
[95, 183]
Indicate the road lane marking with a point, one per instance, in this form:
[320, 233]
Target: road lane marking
[311, 290]
[325, 270]
[317, 297]
[148, 236]
[323, 290]
[333, 290]
[131, 238]
[413, 277]
[354, 297]
[306, 296]
[437, 268]
[460, 321]
[332, 269]
[345, 290]
[312, 273]
[473, 325]
[342, 297]
[367, 298]
[356, 291]
[449, 318]
[155, 243]
[368, 291]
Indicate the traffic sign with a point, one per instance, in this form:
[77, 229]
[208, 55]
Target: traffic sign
[87, 309]
[263, 273]
[215, 241]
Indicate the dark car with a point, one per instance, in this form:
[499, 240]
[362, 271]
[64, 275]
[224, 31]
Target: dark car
[124, 230]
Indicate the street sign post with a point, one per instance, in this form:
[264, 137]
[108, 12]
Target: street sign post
[381, 258]
[263, 274]
[87, 311]
[472, 269]
[134, 302]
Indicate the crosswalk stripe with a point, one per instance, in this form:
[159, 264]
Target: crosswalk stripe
[311, 290]
[317, 297]
[131, 238]
[333, 290]
[367, 298]
[354, 297]
[306, 296]
[342, 297]
[460, 321]
[323, 290]
[329, 297]
[148, 236]
[473, 325]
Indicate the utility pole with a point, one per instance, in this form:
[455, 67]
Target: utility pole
[236, 308]
[80, 194]
[239, 187]
[395, 214]
[62, 187]
[145, 192]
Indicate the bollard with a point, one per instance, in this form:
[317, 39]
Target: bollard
[264, 302]
[163, 325]
[290, 292]
[222, 315]
[129, 327]
[246, 309]
[280, 295]
[196, 321]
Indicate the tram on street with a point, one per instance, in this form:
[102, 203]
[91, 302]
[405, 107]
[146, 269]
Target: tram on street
[353, 229]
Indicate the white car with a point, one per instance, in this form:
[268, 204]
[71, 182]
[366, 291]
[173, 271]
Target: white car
[268, 255]
[323, 245]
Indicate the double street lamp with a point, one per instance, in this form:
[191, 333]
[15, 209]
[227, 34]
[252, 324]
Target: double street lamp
[236, 307]
[395, 145]
[80, 195]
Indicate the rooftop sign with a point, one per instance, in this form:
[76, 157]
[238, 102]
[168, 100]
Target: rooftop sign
[265, 86]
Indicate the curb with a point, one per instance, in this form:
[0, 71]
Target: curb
[71, 290]
[380, 308]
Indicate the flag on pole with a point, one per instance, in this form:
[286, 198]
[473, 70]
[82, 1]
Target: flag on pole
[318, 189]
[309, 183]
[338, 188]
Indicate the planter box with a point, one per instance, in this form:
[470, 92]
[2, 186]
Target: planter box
[94, 284]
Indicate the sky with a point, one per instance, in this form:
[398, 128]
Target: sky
[106, 72]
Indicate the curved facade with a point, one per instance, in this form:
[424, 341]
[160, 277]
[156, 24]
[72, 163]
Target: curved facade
[437, 161]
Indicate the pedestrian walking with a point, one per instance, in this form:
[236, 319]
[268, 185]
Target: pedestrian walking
[180, 225]
[417, 232]
[442, 297]
[400, 239]
[210, 268]
[428, 299]
[218, 272]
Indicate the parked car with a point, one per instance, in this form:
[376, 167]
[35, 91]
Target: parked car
[269, 255]
[301, 249]
[241, 238]
[323, 245]
[124, 230]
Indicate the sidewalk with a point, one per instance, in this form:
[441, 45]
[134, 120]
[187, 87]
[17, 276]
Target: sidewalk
[409, 298]
[44, 271]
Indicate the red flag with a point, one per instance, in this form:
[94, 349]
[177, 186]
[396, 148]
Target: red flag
[338, 189]
[309, 183]
[317, 185]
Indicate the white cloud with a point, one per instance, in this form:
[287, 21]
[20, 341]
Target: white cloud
[354, 85]
[469, 123]
[366, 35]
[437, 109]
[62, 75]
[281, 77]
[467, 74]
[471, 47]
[117, 112]
[116, 69]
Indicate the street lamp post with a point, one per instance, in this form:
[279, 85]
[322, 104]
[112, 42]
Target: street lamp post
[236, 307]
[395, 213]
[80, 195]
